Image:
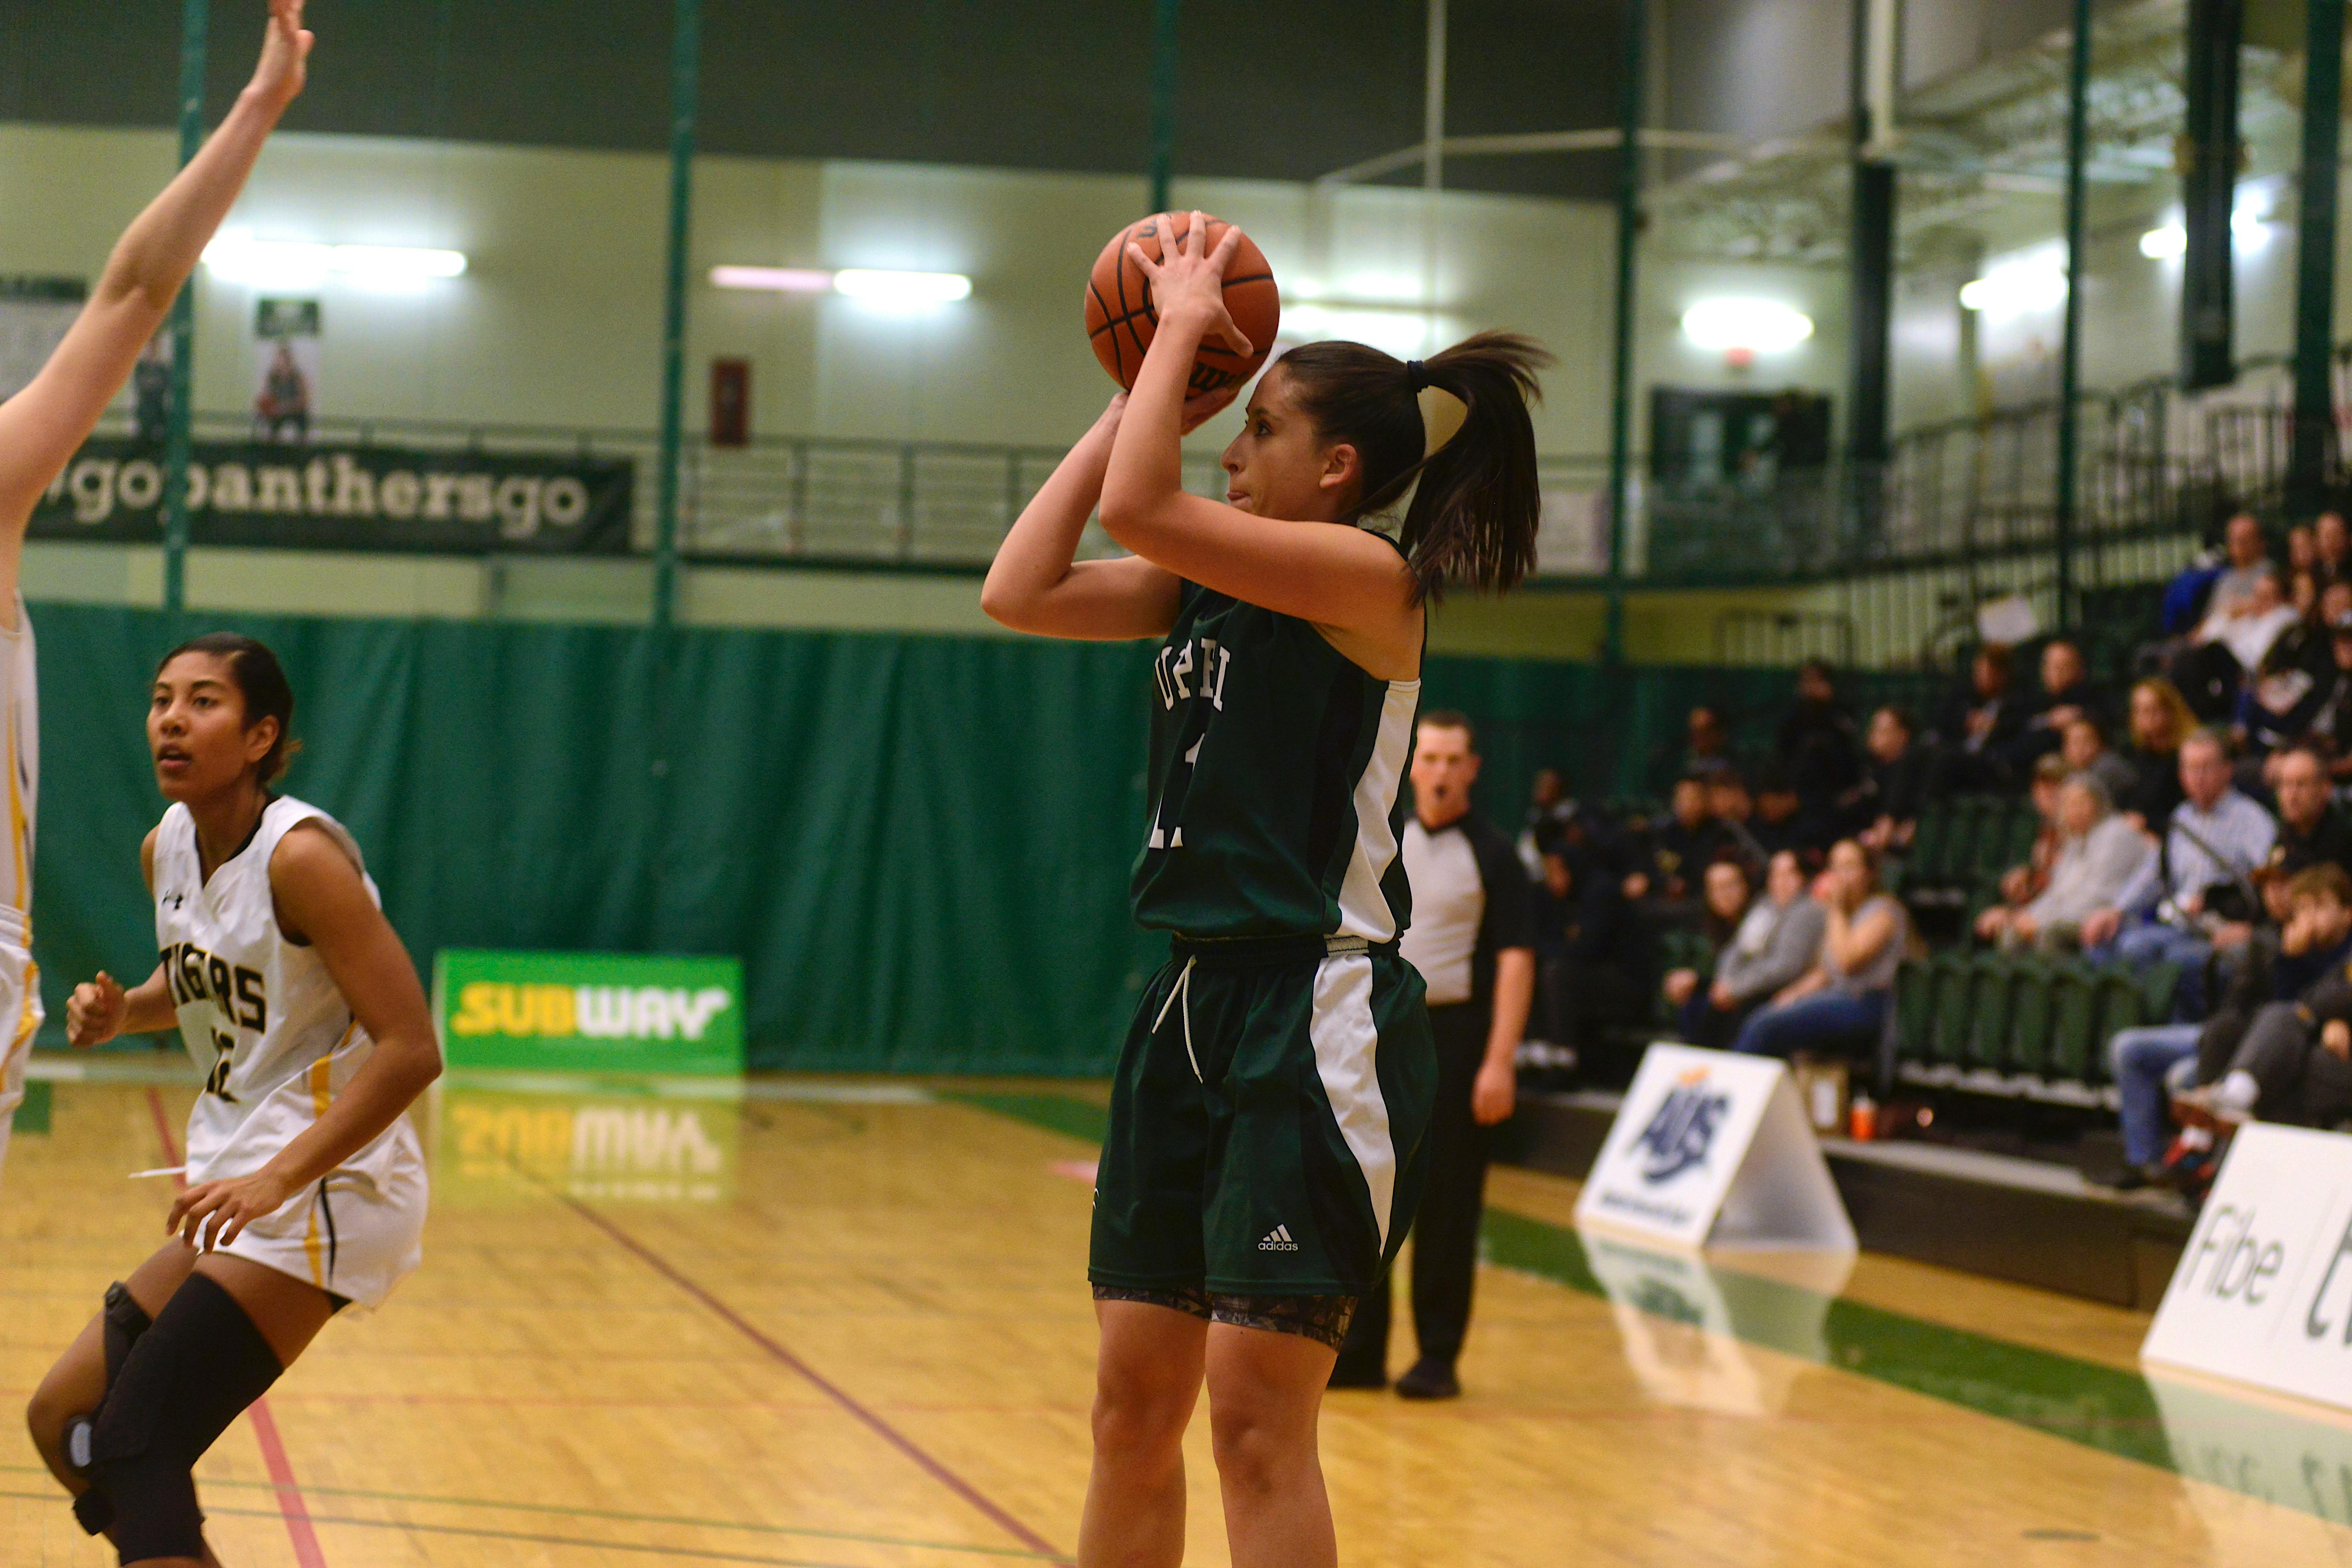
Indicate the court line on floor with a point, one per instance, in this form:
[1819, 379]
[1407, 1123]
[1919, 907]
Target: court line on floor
[291, 1505]
[515, 1535]
[617, 1516]
[2107, 1408]
[873, 1421]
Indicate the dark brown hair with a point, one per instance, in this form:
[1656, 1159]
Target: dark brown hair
[260, 682]
[1453, 718]
[1473, 514]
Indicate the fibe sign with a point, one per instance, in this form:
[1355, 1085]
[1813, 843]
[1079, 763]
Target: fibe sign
[2264, 1294]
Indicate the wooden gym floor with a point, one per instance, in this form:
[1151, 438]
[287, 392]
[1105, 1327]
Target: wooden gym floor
[844, 1325]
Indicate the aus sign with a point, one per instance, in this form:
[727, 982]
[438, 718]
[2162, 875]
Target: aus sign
[1713, 1147]
[586, 1011]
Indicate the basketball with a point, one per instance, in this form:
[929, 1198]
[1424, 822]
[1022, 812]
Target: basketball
[1120, 317]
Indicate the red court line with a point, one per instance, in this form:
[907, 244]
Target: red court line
[874, 1423]
[291, 1505]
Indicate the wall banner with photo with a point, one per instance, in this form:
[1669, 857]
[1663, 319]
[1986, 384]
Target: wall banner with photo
[285, 368]
[347, 497]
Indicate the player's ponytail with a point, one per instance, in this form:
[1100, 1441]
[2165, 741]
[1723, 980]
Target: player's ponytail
[1478, 502]
[261, 682]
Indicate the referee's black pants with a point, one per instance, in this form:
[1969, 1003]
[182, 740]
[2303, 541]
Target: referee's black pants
[1445, 1232]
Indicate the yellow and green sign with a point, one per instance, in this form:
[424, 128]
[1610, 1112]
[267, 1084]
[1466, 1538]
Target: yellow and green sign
[589, 1011]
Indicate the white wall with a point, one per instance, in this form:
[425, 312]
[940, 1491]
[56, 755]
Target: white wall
[558, 320]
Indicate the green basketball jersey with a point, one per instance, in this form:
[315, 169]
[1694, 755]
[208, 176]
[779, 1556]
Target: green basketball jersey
[1276, 771]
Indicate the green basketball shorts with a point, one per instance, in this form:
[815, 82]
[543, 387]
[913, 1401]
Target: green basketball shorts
[1266, 1122]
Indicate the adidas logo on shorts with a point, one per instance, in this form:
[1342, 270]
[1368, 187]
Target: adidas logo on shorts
[1278, 1240]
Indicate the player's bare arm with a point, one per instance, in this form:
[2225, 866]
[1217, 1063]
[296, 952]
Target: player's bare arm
[42, 427]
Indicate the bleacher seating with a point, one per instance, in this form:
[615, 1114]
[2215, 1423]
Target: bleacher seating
[2018, 1025]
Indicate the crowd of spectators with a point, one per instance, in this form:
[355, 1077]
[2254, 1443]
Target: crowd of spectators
[2188, 818]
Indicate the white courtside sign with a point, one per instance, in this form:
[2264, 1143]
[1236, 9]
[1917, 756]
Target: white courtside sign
[1713, 1147]
[2263, 1293]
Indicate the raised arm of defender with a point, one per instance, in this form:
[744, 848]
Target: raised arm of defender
[42, 427]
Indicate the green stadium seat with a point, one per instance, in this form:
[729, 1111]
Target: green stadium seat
[1915, 1010]
[1930, 846]
[1992, 851]
[1948, 1026]
[2075, 1042]
[2031, 1013]
[1992, 984]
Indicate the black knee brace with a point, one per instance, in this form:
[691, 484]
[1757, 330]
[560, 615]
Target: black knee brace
[120, 1322]
[184, 1380]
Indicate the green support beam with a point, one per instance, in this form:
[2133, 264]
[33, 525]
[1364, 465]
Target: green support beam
[1621, 405]
[2069, 358]
[684, 94]
[1163, 101]
[2313, 443]
[195, 28]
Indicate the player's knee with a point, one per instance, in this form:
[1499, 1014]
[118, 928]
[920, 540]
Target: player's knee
[1138, 1412]
[1258, 1441]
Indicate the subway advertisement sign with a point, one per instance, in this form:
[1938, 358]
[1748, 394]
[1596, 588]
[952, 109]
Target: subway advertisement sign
[589, 1011]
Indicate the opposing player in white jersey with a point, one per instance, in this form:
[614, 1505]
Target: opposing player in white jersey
[306, 1187]
[41, 428]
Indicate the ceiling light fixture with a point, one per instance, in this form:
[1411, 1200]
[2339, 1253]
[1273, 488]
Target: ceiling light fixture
[1756, 326]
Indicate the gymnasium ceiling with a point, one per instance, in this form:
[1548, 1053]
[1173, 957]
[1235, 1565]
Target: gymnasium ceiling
[1271, 89]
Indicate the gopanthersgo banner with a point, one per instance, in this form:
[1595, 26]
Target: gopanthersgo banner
[586, 1011]
[347, 497]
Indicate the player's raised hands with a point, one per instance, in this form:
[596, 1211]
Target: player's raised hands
[1190, 278]
[285, 54]
[95, 1012]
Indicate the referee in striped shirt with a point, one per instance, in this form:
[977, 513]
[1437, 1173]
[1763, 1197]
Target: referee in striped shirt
[1473, 939]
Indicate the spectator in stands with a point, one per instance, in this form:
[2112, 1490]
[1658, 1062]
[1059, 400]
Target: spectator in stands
[2295, 1063]
[2311, 829]
[2330, 733]
[1683, 846]
[1776, 942]
[1817, 746]
[1707, 743]
[1728, 802]
[2308, 950]
[2099, 854]
[1981, 723]
[2277, 705]
[1840, 1005]
[1724, 895]
[2249, 560]
[2084, 751]
[2248, 628]
[2066, 695]
[1883, 811]
[1780, 821]
[2301, 550]
[2020, 885]
[2331, 550]
[1591, 954]
[1549, 811]
[2203, 876]
[2205, 665]
[2161, 720]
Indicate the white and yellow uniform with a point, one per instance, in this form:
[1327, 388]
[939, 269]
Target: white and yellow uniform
[277, 1043]
[20, 981]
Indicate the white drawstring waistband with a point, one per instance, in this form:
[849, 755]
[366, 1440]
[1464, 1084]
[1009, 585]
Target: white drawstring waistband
[1182, 992]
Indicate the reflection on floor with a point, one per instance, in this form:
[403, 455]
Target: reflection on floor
[844, 1325]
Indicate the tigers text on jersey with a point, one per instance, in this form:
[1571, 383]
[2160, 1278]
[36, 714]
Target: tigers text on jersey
[1276, 772]
[277, 1042]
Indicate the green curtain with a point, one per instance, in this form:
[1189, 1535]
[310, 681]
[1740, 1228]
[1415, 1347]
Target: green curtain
[919, 845]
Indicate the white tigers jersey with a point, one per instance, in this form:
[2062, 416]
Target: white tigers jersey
[267, 1028]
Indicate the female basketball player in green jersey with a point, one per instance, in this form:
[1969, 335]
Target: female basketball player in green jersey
[1261, 1165]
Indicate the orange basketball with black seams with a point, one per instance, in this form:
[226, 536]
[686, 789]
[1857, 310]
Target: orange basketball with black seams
[1120, 317]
